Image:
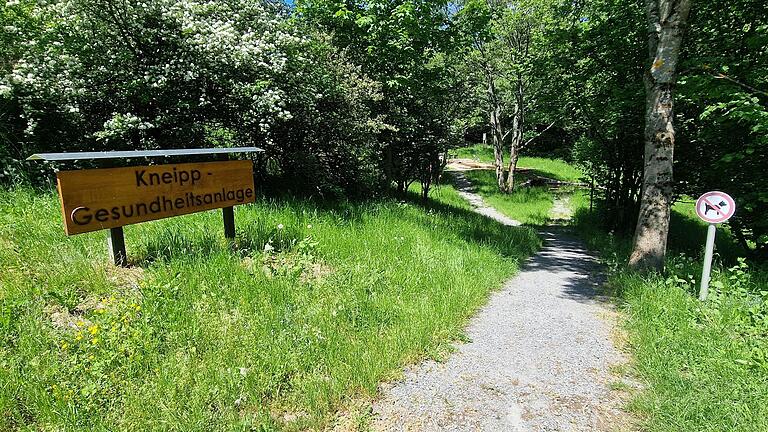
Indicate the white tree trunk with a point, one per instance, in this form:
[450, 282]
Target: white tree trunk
[666, 20]
[497, 131]
[518, 126]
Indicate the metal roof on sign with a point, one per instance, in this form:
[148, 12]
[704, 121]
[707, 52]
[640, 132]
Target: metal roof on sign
[140, 153]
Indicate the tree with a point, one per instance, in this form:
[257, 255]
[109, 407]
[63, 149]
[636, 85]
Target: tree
[403, 45]
[595, 59]
[503, 39]
[105, 75]
[722, 100]
[666, 24]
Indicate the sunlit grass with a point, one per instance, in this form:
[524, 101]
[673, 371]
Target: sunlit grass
[552, 168]
[529, 205]
[478, 152]
[317, 305]
[704, 366]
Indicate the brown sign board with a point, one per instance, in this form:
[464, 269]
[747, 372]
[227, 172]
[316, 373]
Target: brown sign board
[113, 197]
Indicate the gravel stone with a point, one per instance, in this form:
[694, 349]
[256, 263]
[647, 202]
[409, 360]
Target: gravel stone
[538, 357]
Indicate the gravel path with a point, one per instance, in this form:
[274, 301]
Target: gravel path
[561, 209]
[476, 201]
[537, 360]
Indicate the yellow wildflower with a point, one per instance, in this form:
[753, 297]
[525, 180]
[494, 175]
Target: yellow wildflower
[93, 329]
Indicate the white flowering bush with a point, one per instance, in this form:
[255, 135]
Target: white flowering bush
[105, 75]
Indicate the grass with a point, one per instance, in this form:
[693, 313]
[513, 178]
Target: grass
[705, 365]
[529, 205]
[552, 168]
[315, 307]
[706, 369]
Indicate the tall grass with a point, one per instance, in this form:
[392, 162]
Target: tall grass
[316, 305]
[705, 365]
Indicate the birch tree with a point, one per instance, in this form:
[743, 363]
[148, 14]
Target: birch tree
[501, 35]
[666, 24]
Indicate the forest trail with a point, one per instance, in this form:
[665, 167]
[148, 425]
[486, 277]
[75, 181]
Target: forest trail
[537, 359]
[464, 187]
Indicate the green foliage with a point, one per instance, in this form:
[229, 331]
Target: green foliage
[99, 75]
[724, 107]
[316, 305]
[595, 61]
[405, 46]
[502, 46]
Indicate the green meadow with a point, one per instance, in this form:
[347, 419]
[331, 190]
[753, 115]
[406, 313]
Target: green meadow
[557, 169]
[302, 318]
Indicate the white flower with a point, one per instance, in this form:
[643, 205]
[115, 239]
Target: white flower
[309, 226]
[280, 226]
[268, 247]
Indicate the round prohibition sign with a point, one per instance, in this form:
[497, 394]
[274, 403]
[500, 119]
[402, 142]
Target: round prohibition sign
[715, 207]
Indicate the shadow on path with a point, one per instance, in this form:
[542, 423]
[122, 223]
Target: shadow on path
[538, 358]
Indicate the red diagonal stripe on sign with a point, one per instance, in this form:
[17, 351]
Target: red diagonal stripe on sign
[716, 207]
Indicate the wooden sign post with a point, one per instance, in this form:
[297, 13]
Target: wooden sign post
[111, 198]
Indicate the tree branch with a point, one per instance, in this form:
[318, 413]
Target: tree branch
[537, 135]
[720, 75]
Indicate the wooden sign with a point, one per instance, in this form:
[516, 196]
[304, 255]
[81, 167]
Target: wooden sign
[108, 198]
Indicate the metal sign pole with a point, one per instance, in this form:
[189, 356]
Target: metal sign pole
[708, 251]
[713, 207]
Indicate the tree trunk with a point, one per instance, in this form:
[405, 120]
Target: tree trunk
[666, 21]
[497, 135]
[513, 156]
[389, 169]
[518, 125]
[498, 149]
